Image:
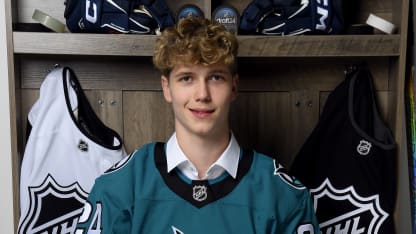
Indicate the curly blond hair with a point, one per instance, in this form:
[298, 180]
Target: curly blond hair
[195, 40]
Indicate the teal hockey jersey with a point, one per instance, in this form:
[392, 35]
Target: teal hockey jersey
[138, 195]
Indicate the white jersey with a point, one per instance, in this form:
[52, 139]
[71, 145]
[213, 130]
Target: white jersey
[67, 149]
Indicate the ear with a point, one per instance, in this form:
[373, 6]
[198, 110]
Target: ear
[234, 87]
[165, 87]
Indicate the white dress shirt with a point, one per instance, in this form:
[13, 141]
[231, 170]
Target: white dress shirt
[228, 161]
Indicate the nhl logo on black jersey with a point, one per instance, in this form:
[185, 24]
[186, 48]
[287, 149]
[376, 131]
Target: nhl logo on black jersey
[199, 193]
[53, 208]
[364, 147]
[357, 214]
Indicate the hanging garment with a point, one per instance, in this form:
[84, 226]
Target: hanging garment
[67, 149]
[349, 161]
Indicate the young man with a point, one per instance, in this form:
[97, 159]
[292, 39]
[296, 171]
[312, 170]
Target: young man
[200, 181]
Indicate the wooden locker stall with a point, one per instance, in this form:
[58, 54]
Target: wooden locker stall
[284, 81]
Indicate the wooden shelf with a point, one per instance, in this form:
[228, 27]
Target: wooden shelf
[250, 46]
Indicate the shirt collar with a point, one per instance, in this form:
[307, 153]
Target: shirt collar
[228, 160]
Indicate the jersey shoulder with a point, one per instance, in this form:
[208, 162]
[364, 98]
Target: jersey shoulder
[141, 157]
[271, 167]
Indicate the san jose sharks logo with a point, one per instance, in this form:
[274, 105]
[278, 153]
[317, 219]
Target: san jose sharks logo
[53, 208]
[176, 230]
[280, 171]
[354, 213]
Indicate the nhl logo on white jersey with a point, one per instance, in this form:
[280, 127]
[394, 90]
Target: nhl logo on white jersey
[199, 193]
[83, 146]
[361, 214]
[53, 208]
[364, 147]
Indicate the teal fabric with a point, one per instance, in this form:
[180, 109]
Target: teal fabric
[135, 199]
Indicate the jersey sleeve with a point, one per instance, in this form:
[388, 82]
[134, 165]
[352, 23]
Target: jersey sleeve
[102, 214]
[303, 219]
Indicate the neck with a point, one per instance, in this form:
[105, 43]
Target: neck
[203, 151]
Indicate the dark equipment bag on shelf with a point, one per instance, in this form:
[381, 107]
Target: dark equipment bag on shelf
[117, 16]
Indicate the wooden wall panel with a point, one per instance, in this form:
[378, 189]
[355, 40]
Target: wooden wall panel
[147, 117]
[28, 98]
[261, 120]
[110, 73]
[262, 74]
[108, 105]
[304, 109]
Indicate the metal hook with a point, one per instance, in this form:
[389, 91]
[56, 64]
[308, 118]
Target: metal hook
[350, 69]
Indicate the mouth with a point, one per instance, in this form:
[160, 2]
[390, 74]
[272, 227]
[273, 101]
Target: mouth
[202, 113]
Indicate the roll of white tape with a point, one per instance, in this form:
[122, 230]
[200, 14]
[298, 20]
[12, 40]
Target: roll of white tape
[48, 21]
[381, 24]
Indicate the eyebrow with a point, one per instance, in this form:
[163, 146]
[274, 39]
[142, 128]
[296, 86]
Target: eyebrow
[182, 73]
[187, 72]
[219, 71]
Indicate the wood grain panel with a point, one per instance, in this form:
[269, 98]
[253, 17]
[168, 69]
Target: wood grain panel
[108, 105]
[29, 97]
[147, 117]
[299, 74]
[83, 44]
[304, 115]
[323, 46]
[261, 74]
[250, 46]
[116, 73]
[261, 120]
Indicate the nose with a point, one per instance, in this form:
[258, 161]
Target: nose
[202, 93]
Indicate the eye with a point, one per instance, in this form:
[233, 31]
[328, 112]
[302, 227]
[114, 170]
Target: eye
[185, 79]
[217, 77]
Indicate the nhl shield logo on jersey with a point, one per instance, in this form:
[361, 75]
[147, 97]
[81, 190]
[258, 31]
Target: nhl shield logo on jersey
[364, 147]
[53, 208]
[83, 146]
[199, 193]
[360, 214]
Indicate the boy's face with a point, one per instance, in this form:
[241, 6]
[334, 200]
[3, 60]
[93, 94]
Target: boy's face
[201, 97]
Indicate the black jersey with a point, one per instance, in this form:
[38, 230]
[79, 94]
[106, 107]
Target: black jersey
[349, 162]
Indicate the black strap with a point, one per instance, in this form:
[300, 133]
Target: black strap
[87, 121]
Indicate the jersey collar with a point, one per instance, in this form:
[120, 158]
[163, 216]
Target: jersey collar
[228, 160]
